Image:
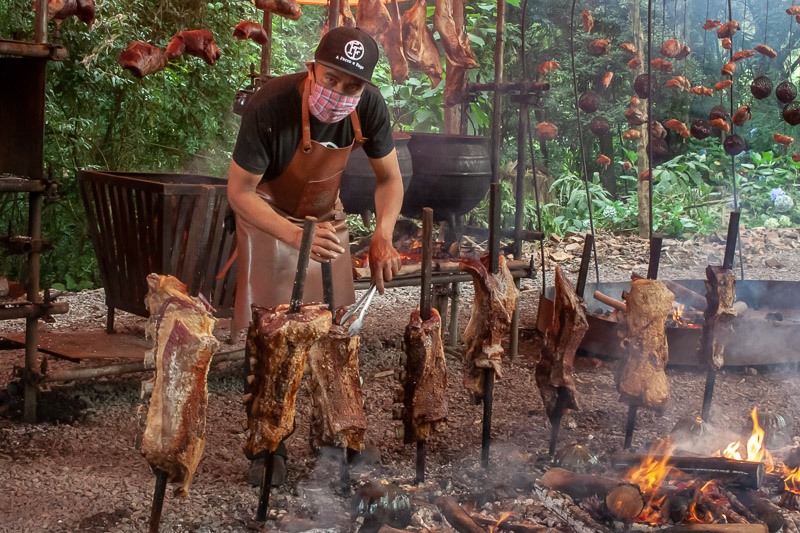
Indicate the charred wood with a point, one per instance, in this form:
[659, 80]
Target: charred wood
[578, 486]
[457, 517]
[625, 502]
[745, 474]
[509, 524]
[765, 510]
[578, 519]
[717, 528]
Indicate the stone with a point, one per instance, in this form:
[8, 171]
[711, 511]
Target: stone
[560, 256]
[773, 262]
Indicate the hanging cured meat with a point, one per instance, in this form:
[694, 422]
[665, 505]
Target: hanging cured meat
[711, 24]
[63, 9]
[702, 91]
[546, 131]
[285, 8]
[726, 43]
[684, 53]
[744, 54]
[728, 29]
[142, 59]
[250, 30]
[678, 127]
[384, 27]
[720, 124]
[448, 20]
[599, 47]
[679, 83]
[198, 43]
[337, 401]
[629, 49]
[794, 10]
[742, 115]
[547, 67]
[635, 117]
[662, 65]
[783, 139]
[455, 83]
[495, 301]
[729, 69]
[632, 135]
[419, 45]
[346, 18]
[278, 343]
[603, 161]
[587, 20]
[634, 63]
[607, 77]
[183, 343]
[671, 48]
[425, 381]
[766, 50]
[723, 85]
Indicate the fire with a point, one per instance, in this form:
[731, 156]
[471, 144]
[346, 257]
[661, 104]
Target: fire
[503, 517]
[792, 480]
[651, 473]
[678, 318]
[756, 452]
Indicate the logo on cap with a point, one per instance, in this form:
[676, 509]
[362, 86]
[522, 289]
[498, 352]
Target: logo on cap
[354, 50]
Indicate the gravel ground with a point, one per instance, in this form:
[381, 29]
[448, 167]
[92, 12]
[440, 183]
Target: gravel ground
[81, 470]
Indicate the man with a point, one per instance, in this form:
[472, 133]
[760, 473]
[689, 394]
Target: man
[295, 138]
[293, 145]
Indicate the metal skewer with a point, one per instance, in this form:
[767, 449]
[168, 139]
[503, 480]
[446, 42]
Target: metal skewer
[561, 398]
[425, 310]
[488, 373]
[158, 500]
[309, 226]
[652, 273]
[727, 264]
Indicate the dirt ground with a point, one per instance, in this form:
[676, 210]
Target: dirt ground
[80, 470]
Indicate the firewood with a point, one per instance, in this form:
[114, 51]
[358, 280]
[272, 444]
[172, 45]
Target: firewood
[508, 525]
[578, 486]
[746, 474]
[625, 502]
[562, 339]
[717, 528]
[457, 517]
[718, 509]
[719, 315]
[578, 520]
[741, 508]
[609, 301]
[641, 380]
[765, 510]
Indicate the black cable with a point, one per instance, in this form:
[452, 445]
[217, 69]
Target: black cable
[580, 136]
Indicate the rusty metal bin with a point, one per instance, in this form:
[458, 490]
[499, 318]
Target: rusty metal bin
[165, 223]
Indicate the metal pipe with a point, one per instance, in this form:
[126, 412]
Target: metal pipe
[327, 287]
[708, 395]
[427, 264]
[583, 271]
[158, 501]
[655, 256]
[730, 241]
[32, 322]
[488, 400]
[420, 474]
[499, 52]
[519, 208]
[630, 426]
[455, 277]
[333, 13]
[302, 264]
[494, 227]
[40, 22]
[266, 484]
[33, 311]
[454, 308]
[266, 49]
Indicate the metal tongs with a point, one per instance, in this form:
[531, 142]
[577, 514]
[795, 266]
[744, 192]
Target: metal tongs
[363, 304]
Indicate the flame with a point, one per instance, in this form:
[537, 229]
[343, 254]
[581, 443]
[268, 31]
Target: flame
[503, 517]
[678, 318]
[732, 451]
[792, 480]
[651, 473]
[755, 444]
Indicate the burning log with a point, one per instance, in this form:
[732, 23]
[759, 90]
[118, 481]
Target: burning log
[716, 528]
[765, 510]
[745, 474]
[641, 380]
[555, 366]
[579, 486]
[457, 517]
[625, 502]
[719, 315]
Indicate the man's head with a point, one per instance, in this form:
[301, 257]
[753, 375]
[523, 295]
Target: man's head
[348, 50]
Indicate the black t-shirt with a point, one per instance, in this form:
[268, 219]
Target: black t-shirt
[271, 127]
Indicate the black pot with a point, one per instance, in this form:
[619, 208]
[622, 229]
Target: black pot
[452, 174]
[358, 181]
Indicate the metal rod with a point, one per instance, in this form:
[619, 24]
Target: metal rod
[266, 49]
[420, 475]
[454, 308]
[555, 420]
[708, 394]
[649, 116]
[583, 271]
[31, 394]
[32, 311]
[438, 279]
[327, 287]
[655, 256]
[488, 400]
[40, 22]
[519, 209]
[513, 342]
[266, 485]
[494, 227]
[344, 473]
[499, 52]
[427, 264]
[333, 13]
[630, 426]
[538, 205]
[302, 264]
[158, 501]
[730, 241]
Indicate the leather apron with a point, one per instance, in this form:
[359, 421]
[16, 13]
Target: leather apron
[308, 187]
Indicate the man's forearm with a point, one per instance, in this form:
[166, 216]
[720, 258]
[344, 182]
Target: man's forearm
[388, 201]
[254, 210]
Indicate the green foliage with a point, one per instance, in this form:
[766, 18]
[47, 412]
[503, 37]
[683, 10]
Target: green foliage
[764, 178]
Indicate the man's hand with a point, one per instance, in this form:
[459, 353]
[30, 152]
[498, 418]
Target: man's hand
[325, 246]
[384, 261]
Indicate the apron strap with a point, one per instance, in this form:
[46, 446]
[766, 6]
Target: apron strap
[306, 123]
[357, 128]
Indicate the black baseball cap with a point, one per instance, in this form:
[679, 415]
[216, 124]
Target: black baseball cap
[350, 50]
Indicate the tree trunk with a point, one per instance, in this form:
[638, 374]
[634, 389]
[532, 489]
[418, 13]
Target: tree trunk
[643, 195]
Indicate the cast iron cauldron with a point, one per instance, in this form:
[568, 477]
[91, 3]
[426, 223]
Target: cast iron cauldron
[452, 174]
[358, 181]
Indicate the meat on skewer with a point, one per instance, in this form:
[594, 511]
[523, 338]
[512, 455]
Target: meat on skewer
[346, 18]
[250, 30]
[337, 403]
[419, 45]
[562, 339]
[743, 54]
[425, 383]
[142, 59]
[718, 316]
[495, 300]
[198, 43]
[742, 115]
[728, 30]
[547, 67]
[374, 18]
[61, 10]
[587, 20]
[278, 343]
[545, 131]
[641, 379]
[767, 51]
[183, 343]
[671, 48]
[711, 24]
[448, 20]
[285, 8]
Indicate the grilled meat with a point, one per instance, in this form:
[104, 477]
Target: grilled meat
[142, 59]
[420, 48]
[545, 131]
[285, 8]
[250, 30]
[198, 43]
[766, 50]
[375, 19]
[587, 20]
[448, 20]
[742, 115]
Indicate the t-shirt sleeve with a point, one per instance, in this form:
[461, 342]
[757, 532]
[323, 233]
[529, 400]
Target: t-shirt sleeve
[250, 151]
[377, 128]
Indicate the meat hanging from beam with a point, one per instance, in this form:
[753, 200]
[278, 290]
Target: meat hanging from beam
[448, 20]
[425, 382]
[285, 8]
[494, 303]
[250, 30]
[278, 343]
[419, 45]
[346, 18]
[374, 18]
[718, 316]
[337, 400]
[561, 341]
[641, 380]
[198, 43]
[142, 59]
[183, 343]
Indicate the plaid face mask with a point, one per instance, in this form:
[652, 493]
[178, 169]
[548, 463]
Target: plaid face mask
[329, 106]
